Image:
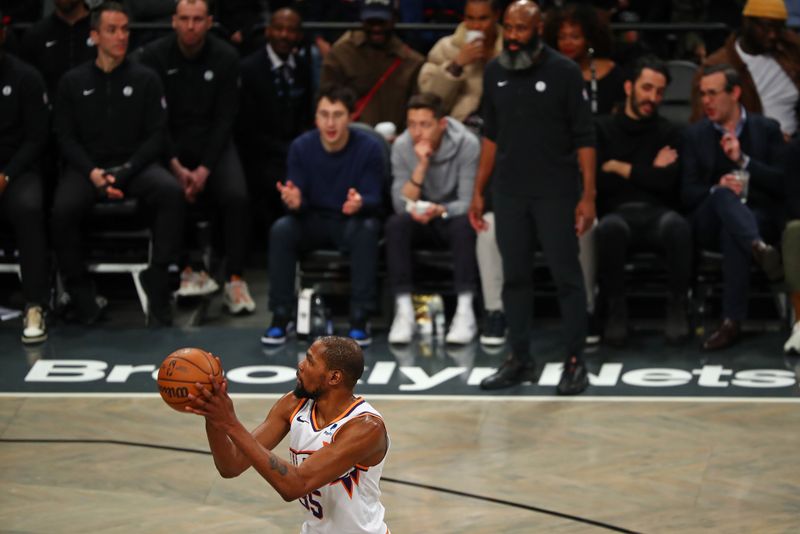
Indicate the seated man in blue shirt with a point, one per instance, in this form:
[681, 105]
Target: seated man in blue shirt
[333, 192]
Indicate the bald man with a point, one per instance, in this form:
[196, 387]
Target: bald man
[540, 143]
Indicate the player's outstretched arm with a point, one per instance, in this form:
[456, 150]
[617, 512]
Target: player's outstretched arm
[228, 458]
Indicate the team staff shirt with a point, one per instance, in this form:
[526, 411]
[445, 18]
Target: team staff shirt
[351, 503]
[23, 115]
[538, 117]
[109, 119]
[325, 177]
[54, 47]
[202, 94]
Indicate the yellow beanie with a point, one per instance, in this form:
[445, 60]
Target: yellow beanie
[768, 9]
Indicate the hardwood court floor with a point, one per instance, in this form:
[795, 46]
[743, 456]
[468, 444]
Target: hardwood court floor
[642, 466]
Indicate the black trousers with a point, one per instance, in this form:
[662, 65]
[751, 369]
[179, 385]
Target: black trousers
[521, 221]
[294, 234]
[723, 223]
[226, 188]
[22, 205]
[403, 233]
[75, 195]
[641, 226]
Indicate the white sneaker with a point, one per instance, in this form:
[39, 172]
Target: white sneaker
[196, 284]
[237, 297]
[792, 345]
[34, 329]
[402, 330]
[462, 329]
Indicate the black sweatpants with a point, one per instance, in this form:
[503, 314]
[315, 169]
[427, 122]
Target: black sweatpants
[75, 195]
[642, 226]
[521, 221]
[22, 205]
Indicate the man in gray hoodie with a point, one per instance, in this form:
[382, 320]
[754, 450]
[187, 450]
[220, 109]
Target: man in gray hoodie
[433, 163]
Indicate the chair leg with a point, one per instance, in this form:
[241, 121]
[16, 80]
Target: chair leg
[140, 289]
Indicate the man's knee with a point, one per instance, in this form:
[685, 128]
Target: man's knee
[398, 223]
[611, 228]
[284, 230]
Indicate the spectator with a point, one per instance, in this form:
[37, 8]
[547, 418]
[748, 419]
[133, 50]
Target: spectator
[433, 165]
[110, 120]
[275, 109]
[23, 134]
[791, 240]
[200, 74]
[59, 42]
[378, 66]
[333, 192]
[454, 69]
[577, 32]
[637, 192]
[726, 213]
[767, 58]
[536, 186]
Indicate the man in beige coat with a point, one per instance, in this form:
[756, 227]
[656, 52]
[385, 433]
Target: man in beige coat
[454, 70]
[380, 68]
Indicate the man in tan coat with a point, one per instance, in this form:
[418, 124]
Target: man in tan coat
[380, 68]
[454, 70]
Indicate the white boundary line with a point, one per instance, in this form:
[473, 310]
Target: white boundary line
[458, 398]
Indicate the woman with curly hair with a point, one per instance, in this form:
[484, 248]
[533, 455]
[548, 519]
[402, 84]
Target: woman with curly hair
[577, 32]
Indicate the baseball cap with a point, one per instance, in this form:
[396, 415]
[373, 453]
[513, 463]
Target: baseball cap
[377, 9]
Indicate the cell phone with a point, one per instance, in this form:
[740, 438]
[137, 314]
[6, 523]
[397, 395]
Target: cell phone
[473, 35]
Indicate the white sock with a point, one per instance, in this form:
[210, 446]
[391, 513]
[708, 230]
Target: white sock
[404, 305]
[464, 303]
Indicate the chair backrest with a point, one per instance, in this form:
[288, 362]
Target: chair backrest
[680, 88]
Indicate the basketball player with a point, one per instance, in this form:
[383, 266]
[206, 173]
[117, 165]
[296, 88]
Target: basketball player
[338, 442]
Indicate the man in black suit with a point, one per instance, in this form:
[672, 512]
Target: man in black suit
[728, 213]
[275, 108]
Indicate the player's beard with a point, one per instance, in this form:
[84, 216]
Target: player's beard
[302, 393]
[521, 59]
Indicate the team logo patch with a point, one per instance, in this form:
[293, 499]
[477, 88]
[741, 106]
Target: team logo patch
[540, 86]
[127, 90]
[44, 98]
[164, 102]
[208, 75]
[6, 90]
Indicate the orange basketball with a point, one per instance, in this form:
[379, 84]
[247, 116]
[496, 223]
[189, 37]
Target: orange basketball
[180, 371]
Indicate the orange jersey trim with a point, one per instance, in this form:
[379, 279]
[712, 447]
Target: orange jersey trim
[342, 415]
[297, 409]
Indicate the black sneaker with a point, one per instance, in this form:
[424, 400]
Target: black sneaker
[493, 332]
[276, 334]
[511, 372]
[574, 377]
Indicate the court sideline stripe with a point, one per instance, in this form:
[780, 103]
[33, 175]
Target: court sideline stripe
[455, 398]
[439, 489]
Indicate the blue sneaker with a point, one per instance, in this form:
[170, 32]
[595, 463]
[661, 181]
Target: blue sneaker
[360, 333]
[277, 332]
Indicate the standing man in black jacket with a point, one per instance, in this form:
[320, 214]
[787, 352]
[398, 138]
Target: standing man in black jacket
[23, 132]
[538, 128]
[638, 186]
[110, 119]
[200, 74]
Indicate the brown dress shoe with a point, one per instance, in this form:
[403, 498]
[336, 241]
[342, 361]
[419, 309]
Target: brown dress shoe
[769, 259]
[727, 335]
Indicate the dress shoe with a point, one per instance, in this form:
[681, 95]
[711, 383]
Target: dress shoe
[574, 377]
[616, 329]
[676, 328]
[769, 259]
[511, 372]
[726, 335]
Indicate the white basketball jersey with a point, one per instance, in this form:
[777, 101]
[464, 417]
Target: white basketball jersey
[351, 503]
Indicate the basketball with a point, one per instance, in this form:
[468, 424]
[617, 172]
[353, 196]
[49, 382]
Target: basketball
[179, 372]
